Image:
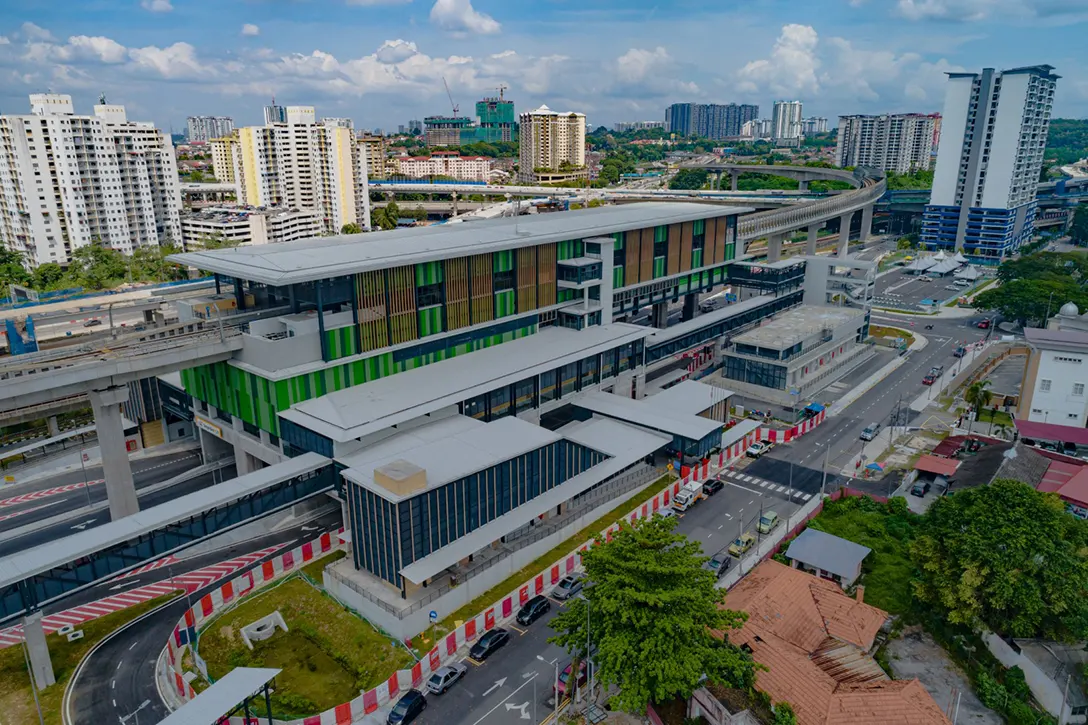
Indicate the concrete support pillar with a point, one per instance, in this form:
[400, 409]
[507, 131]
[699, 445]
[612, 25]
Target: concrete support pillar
[691, 307]
[803, 185]
[844, 233]
[813, 236]
[243, 462]
[54, 427]
[40, 664]
[659, 318]
[774, 247]
[733, 177]
[866, 222]
[120, 489]
[640, 386]
[454, 197]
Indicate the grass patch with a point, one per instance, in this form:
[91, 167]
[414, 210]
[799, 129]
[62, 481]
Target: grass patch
[891, 333]
[888, 530]
[16, 698]
[328, 655]
[530, 570]
[314, 568]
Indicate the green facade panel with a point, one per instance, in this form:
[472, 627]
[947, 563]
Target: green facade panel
[428, 273]
[617, 277]
[503, 261]
[505, 303]
[258, 401]
[659, 267]
[341, 342]
[430, 321]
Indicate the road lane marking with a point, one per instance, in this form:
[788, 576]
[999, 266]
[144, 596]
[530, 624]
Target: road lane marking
[472, 661]
[516, 629]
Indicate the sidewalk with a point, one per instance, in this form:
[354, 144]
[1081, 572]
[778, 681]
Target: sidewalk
[948, 380]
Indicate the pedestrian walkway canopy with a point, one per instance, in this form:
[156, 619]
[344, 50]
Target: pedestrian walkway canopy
[46, 573]
[692, 434]
[969, 273]
[920, 265]
[224, 697]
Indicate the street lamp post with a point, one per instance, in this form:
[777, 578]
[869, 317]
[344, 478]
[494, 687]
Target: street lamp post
[135, 714]
[555, 688]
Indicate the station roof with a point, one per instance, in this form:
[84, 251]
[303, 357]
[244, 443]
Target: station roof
[647, 414]
[223, 697]
[326, 257]
[614, 437]
[58, 553]
[447, 449]
[793, 326]
[706, 319]
[690, 397]
[362, 409]
[635, 450]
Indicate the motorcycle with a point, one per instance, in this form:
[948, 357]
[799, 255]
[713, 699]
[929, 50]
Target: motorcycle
[929, 327]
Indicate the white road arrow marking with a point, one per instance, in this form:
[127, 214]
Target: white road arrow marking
[83, 525]
[498, 683]
[523, 708]
[124, 584]
[310, 528]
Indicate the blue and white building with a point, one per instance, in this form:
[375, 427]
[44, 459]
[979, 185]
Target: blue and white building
[993, 136]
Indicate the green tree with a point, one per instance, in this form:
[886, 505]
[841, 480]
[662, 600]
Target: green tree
[1079, 229]
[47, 275]
[12, 270]
[904, 243]
[689, 179]
[351, 228]
[652, 608]
[978, 396]
[784, 714]
[1026, 300]
[97, 266]
[1008, 557]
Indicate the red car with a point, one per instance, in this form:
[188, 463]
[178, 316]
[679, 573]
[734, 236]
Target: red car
[928, 380]
[564, 678]
[984, 325]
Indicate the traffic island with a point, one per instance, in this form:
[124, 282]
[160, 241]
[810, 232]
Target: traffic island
[327, 655]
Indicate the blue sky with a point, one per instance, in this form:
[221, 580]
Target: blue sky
[381, 62]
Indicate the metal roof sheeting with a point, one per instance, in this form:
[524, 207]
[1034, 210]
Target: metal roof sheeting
[223, 697]
[830, 553]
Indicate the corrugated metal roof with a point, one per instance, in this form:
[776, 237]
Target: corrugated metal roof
[223, 697]
[830, 553]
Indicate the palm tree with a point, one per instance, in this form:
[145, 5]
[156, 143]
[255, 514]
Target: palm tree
[978, 397]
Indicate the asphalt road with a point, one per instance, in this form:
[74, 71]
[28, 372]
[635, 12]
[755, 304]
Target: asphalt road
[72, 502]
[909, 289]
[120, 675]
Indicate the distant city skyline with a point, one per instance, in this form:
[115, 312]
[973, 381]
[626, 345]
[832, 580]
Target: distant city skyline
[382, 62]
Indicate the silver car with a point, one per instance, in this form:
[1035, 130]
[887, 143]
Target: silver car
[444, 677]
[568, 586]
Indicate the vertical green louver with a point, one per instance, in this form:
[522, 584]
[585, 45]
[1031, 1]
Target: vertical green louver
[730, 252]
[659, 267]
[428, 273]
[661, 234]
[503, 261]
[505, 303]
[696, 258]
[430, 321]
[699, 226]
[570, 249]
[341, 342]
[617, 277]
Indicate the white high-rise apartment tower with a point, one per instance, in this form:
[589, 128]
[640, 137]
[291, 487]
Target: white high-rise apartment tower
[993, 136]
[205, 128]
[899, 142]
[552, 145]
[786, 120]
[301, 164]
[67, 181]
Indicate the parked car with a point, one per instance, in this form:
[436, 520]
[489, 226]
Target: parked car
[568, 586]
[445, 677]
[959, 352]
[919, 489]
[952, 288]
[767, 522]
[984, 324]
[407, 709]
[742, 544]
[486, 645]
[667, 512]
[533, 610]
[560, 687]
[758, 449]
[937, 371]
[712, 486]
[870, 432]
[928, 380]
[719, 564]
[92, 323]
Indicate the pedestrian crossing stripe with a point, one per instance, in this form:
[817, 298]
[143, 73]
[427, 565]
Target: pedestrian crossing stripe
[747, 479]
[763, 484]
[807, 496]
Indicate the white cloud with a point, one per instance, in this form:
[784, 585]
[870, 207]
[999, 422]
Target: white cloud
[102, 49]
[458, 16]
[378, 2]
[636, 63]
[251, 29]
[396, 51]
[30, 31]
[157, 6]
[175, 62]
[975, 10]
[791, 69]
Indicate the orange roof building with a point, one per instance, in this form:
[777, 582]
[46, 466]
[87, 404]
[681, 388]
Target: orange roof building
[815, 642]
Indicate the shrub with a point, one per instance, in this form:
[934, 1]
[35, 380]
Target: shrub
[991, 692]
[1017, 685]
[1020, 713]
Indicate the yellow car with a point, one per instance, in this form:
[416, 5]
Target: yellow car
[767, 522]
[742, 544]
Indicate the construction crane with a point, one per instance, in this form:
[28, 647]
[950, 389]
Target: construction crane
[502, 87]
[455, 107]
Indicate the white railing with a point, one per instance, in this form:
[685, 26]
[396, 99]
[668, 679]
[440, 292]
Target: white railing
[776, 221]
